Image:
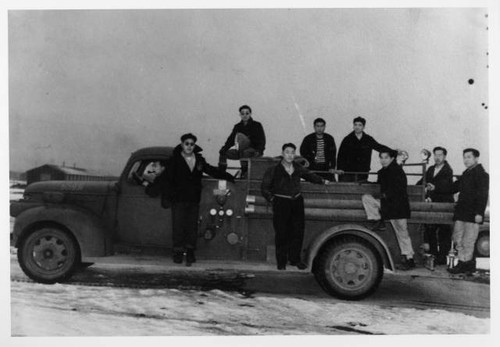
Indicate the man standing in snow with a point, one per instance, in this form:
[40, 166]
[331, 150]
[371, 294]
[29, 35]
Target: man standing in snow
[439, 182]
[473, 188]
[181, 183]
[393, 205]
[281, 186]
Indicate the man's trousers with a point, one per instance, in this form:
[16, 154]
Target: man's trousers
[464, 237]
[185, 225]
[372, 209]
[438, 236]
[288, 222]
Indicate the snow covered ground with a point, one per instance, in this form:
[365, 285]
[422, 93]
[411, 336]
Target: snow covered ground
[74, 310]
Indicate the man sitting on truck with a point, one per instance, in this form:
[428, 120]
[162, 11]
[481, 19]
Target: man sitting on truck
[472, 187]
[320, 150]
[281, 186]
[393, 204]
[247, 137]
[438, 188]
[355, 152]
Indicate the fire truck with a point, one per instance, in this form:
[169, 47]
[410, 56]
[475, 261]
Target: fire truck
[61, 224]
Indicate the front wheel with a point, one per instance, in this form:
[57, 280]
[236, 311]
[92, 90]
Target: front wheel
[349, 268]
[48, 255]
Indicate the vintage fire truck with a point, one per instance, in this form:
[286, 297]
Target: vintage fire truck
[62, 224]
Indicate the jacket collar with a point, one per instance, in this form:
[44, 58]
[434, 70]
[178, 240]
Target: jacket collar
[353, 134]
[475, 167]
[296, 166]
[393, 164]
[178, 150]
[445, 167]
[250, 121]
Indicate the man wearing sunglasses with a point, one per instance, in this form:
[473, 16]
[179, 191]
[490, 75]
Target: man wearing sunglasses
[248, 139]
[181, 183]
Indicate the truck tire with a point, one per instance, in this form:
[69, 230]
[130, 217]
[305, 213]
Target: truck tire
[482, 246]
[349, 268]
[48, 255]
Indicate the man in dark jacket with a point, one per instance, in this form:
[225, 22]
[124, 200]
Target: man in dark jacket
[181, 184]
[439, 182]
[281, 186]
[473, 188]
[393, 204]
[355, 152]
[320, 151]
[248, 138]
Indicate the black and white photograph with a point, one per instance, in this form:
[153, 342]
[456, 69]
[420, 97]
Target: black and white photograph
[268, 169]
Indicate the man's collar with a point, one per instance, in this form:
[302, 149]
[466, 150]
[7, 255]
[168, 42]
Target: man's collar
[473, 166]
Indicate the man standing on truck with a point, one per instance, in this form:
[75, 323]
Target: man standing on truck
[439, 182]
[355, 152]
[473, 188]
[393, 204]
[181, 183]
[281, 186]
[320, 151]
[248, 138]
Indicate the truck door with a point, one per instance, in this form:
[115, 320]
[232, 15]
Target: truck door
[141, 218]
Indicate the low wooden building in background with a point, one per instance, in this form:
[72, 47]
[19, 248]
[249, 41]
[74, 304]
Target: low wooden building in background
[50, 172]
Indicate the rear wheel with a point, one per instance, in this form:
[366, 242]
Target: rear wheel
[349, 268]
[48, 255]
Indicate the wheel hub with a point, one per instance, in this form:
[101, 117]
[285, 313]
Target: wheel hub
[350, 268]
[49, 253]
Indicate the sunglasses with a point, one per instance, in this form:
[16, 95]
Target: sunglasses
[188, 143]
[245, 113]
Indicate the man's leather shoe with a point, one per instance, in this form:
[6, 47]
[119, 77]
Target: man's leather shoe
[178, 257]
[406, 264]
[300, 265]
[190, 258]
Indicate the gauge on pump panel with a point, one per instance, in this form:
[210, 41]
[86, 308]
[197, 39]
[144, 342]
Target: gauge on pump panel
[232, 238]
[213, 212]
[229, 212]
[221, 213]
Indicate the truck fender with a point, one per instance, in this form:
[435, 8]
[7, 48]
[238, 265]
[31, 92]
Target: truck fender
[354, 230]
[88, 229]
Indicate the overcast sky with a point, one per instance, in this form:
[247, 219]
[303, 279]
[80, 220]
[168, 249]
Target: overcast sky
[89, 87]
